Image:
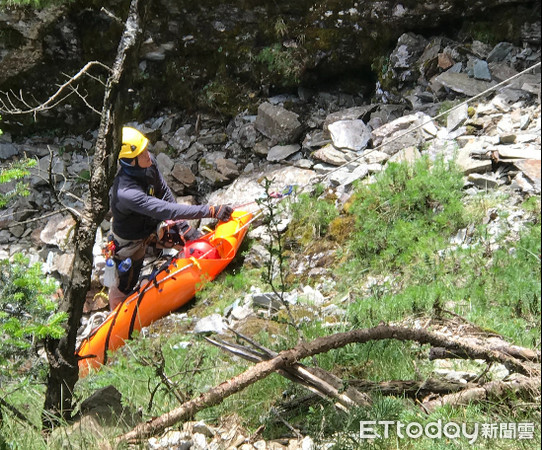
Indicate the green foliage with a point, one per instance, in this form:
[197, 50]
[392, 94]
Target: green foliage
[444, 110]
[192, 366]
[506, 293]
[532, 204]
[502, 295]
[36, 4]
[215, 93]
[311, 216]
[275, 271]
[228, 287]
[407, 213]
[323, 421]
[286, 63]
[15, 173]
[381, 68]
[84, 176]
[27, 311]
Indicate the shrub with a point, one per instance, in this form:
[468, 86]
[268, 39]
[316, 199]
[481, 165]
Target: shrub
[27, 311]
[14, 174]
[286, 63]
[407, 212]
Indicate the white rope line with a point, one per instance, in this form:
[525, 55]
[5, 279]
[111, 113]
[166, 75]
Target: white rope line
[94, 321]
[430, 120]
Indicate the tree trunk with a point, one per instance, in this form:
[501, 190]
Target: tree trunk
[64, 370]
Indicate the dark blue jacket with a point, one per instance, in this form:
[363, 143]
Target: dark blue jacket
[140, 199]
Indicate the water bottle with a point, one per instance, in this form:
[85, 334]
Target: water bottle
[125, 265]
[110, 274]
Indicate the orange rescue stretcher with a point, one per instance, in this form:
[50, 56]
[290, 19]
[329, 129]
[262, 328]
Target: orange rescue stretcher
[172, 287]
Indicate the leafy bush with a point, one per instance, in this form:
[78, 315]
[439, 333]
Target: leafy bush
[27, 311]
[407, 212]
[15, 173]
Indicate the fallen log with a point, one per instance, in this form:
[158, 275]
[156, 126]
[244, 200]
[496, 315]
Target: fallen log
[288, 358]
[520, 353]
[317, 380]
[494, 390]
[410, 388]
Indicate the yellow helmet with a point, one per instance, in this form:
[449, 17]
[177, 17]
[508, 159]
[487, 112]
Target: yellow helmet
[133, 143]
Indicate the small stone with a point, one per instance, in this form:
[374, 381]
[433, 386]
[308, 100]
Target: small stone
[481, 70]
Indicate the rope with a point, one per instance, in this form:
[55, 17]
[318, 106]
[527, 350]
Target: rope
[410, 130]
[287, 191]
[94, 320]
[320, 178]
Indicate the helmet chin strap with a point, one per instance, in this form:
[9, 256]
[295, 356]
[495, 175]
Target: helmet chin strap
[127, 162]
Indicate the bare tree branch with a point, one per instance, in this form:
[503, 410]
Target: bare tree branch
[110, 14]
[317, 380]
[495, 389]
[52, 185]
[75, 90]
[288, 358]
[9, 101]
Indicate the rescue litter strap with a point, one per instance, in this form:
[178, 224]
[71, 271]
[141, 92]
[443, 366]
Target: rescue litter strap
[152, 283]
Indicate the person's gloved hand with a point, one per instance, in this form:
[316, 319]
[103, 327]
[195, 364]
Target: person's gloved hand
[163, 227]
[221, 212]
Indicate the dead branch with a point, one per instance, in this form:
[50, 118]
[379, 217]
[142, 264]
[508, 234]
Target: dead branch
[410, 388]
[281, 419]
[319, 381]
[288, 358]
[414, 389]
[15, 104]
[520, 353]
[111, 15]
[84, 99]
[158, 364]
[521, 385]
